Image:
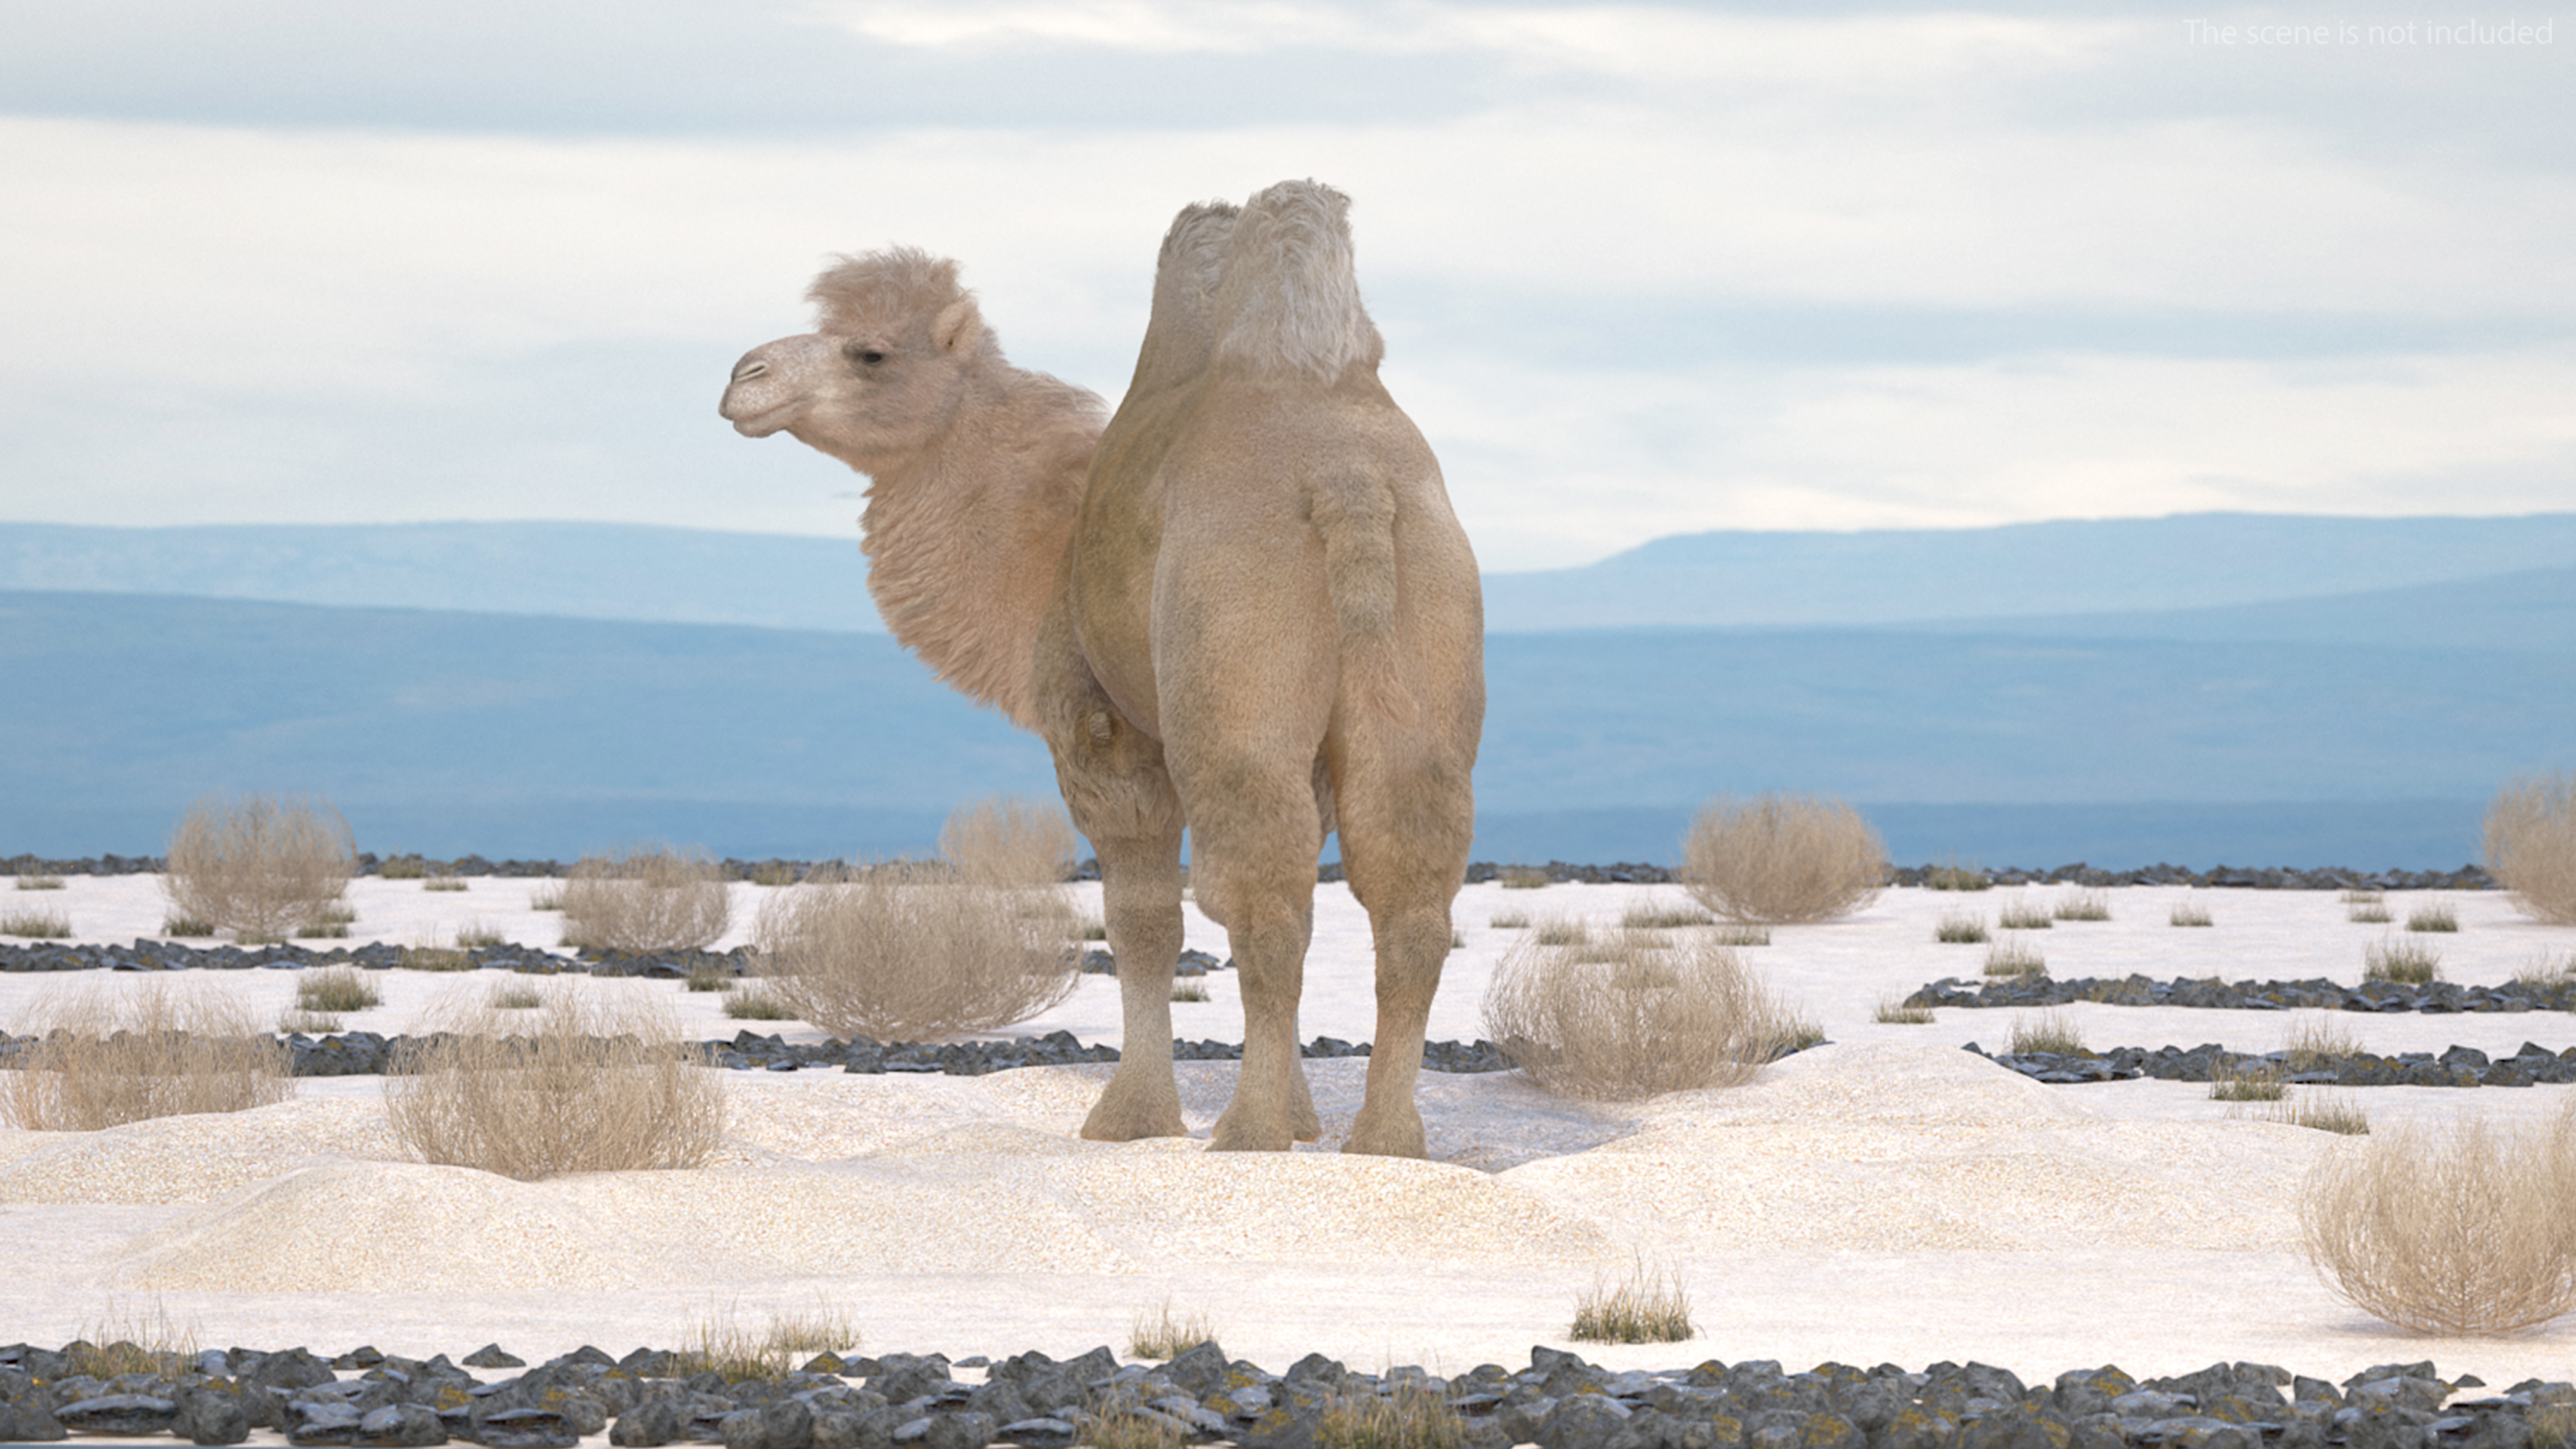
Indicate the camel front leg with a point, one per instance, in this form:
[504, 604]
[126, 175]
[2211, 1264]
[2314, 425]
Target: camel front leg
[1140, 891]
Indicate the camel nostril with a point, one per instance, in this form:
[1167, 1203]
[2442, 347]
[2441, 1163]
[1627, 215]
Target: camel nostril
[749, 370]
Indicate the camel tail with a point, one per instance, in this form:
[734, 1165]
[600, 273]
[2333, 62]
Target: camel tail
[1357, 523]
[1288, 300]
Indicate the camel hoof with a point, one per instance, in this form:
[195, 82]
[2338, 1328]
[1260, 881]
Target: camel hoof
[1126, 1117]
[1236, 1136]
[1388, 1139]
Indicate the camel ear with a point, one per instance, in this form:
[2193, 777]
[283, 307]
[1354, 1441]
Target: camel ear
[958, 326]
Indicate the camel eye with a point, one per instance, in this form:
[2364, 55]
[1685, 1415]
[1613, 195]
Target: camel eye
[865, 356]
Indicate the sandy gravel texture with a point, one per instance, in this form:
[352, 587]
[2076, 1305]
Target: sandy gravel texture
[1884, 1198]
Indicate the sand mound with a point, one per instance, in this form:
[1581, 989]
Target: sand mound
[1923, 1149]
[191, 1159]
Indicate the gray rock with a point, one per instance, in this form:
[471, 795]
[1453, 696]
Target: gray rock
[400, 1426]
[648, 1425]
[965, 1429]
[120, 1414]
[787, 1424]
[524, 1428]
[213, 1415]
[1038, 1433]
[1582, 1421]
[1197, 1372]
[2018, 1426]
[28, 1422]
[492, 1355]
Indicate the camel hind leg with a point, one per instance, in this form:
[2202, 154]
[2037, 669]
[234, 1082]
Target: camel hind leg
[1406, 827]
[1252, 861]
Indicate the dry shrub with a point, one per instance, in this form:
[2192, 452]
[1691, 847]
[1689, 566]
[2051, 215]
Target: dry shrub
[595, 1083]
[645, 900]
[261, 867]
[1010, 843]
[721, 1344]
[2460, 1230]
[2531, 845]
[1782, 859]
[101, 1062]
[1630, 1021]
[907, 954]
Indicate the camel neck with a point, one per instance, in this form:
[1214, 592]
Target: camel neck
[963, 538]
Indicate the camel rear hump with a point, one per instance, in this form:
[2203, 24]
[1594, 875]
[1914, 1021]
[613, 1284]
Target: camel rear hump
[1288, 300]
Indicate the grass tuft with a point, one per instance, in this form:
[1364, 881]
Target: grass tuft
[1561, 931]
[1522, 878]
[1163, 1335]
[2547, 973]
[757, 1005]
[2316, 1039]
[474, 935]
[1189, 988]
[36, 925]
[180, 927]
[2052, 1032]
[1782, 859]
[40, 882]
[2251, 1084]
[2084, 906]
[1648, 916]
[120, 1343]
[1510, 921]
[2013, 956]
[2368, 913]
[434, 958]
[2395, 958]
[1894, 1012]
[1960, 928]
[310, 1023]
[2189, 913]
[721, 1345]
[1743, 936]
[708, 976]
[2022, 914]
[445, 883]
[1952, 876]
[2436, 916]
[336, 989]
[546, 898]
[1411, 1417]
[514, 996]
[1645, 1307]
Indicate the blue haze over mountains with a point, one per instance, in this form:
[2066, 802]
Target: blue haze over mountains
[2251, 689]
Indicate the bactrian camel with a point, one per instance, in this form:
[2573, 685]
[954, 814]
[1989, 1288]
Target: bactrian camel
[1244, 609]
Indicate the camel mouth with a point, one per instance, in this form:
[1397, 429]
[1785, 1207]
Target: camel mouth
[768, 420]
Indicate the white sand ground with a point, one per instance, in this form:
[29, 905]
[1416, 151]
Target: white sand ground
[1884, 1198]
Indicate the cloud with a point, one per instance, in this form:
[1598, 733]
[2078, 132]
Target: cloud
[1642, 267]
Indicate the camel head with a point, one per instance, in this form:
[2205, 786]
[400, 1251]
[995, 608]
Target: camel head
[884, 370]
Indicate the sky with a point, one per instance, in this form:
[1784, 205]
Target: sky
[1643, 269]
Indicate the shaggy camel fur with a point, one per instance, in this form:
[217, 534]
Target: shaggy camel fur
[1257, 618]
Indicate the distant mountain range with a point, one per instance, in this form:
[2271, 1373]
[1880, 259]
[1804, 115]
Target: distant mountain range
[1703, 580]
[2122, 712]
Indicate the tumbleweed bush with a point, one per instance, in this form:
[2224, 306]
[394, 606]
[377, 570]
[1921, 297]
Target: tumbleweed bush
[594, 1083]
[1782, 859]
[645, 900]
[2531, 845]
[1639, 1023]
[260, 867]
[911, 954]
[101, 1062]
[2460, 1229]
[1010, 843]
